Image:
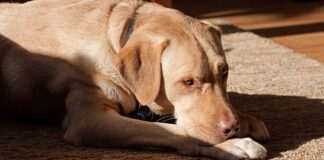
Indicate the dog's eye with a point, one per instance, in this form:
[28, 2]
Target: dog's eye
[225, 72]
[189, 82]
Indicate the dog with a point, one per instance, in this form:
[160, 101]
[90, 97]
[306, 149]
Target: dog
[94, 60]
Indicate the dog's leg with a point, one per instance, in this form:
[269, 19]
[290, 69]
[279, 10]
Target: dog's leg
[95, 121]
[252, 127]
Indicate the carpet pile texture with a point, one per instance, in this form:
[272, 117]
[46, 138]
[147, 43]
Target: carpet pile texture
[267, 80]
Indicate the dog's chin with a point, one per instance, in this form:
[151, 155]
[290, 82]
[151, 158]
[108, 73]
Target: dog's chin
[210, 139]
[159, 110]
[205, 135]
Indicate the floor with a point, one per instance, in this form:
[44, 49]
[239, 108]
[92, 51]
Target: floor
[298, 25]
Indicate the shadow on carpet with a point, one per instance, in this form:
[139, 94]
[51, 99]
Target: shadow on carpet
[291, 120]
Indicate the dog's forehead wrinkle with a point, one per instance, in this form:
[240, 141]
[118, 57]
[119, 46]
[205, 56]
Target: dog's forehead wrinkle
[210, 60]
[210, 44]
[195, 62]
[209, 49]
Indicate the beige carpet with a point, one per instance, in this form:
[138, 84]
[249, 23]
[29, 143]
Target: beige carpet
[267, 80]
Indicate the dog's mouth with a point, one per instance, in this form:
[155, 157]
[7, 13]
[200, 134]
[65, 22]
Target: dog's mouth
[146, 114]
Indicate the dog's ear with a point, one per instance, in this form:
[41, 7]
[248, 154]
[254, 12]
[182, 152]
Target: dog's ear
[139, 65]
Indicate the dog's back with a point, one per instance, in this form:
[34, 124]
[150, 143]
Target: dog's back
[6, 6]
[28, 61]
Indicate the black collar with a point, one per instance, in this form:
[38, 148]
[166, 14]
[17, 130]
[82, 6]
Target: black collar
[146, 114]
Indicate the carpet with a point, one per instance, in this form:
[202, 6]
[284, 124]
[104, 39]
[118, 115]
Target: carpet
[267, 80]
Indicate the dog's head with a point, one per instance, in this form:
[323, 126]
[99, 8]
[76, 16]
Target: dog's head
[176, 64]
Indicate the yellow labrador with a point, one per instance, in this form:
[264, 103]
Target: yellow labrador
[95, 59]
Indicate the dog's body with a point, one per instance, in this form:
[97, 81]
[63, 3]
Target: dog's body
[75, 57]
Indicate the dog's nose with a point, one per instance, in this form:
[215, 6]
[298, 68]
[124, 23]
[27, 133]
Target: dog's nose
[228, 127]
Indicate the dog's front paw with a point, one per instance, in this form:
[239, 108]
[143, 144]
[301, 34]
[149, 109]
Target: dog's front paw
[252, 127]
[244, 148]
[233, 149]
